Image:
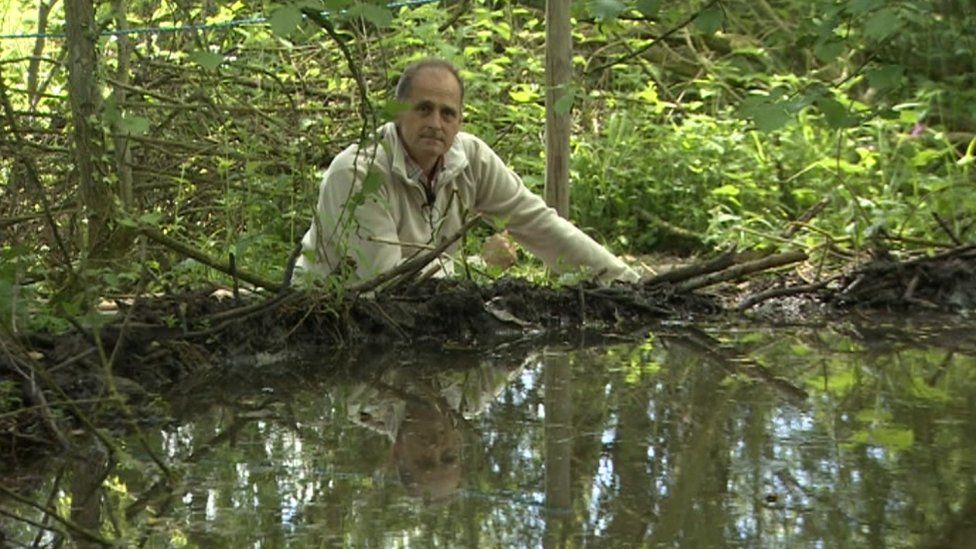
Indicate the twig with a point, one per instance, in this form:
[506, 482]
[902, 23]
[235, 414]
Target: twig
[296, 253]
[37, 395]
[805, 217]
[462, 9]
[754, 300]
[243, 313]
[366, 107]
[743, 269]
[32, 175]
[409, 268]
[232, 263]
[667, 34]
[179, 247]
[948, 230]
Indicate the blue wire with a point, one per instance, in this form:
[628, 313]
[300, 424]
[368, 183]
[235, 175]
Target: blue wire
[184, 28]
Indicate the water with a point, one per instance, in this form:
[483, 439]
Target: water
[863, 435]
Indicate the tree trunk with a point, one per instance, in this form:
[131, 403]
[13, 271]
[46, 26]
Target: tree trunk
[81, 34]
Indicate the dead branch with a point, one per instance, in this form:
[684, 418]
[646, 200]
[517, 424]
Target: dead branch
[743, 269]
[723, 261]
[756, 299]
[198, 255]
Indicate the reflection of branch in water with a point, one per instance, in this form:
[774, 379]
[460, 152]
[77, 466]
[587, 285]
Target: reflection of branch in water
[941, 369]
[736, 362]
[163, 489]
[690, 471]
[53, 513]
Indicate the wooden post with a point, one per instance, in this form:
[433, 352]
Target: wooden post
[559, 70]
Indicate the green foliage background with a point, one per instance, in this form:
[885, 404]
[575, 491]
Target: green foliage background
[697, 124]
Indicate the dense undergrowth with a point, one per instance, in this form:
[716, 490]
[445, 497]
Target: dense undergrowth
[697, 125]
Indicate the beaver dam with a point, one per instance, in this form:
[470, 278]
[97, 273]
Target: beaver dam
[788, 405]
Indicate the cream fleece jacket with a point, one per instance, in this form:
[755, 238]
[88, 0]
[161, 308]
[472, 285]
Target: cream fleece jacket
[372, 217]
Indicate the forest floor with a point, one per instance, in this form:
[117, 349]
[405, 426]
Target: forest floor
[150, 343]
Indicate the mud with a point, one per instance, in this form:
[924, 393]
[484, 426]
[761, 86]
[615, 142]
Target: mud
[152, 343]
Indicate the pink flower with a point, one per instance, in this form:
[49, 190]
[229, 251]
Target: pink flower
[917, 130]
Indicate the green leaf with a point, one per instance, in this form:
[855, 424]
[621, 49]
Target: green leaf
[377, 15]
[883, 24]
[206, 59]
[110, 111]
[835, 114]
[858, 7]
[151, 218]
[648, 8]
[710, 20]
[565, 103]
[523, 94]
[605, 10]
[726, 190]
[766, 114]
[391, 109]
[892, 438]
[885, 78]
[134, 125]
[830, 50]
[373, 182]
[285, 19]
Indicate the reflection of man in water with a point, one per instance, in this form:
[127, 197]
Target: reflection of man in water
[427, 452]
[424, 414]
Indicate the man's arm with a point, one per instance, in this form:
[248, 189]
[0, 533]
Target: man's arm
[561, 245]
[353, 220]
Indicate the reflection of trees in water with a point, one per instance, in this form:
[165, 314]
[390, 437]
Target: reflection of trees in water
[687, 439]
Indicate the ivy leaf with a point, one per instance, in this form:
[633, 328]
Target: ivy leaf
[886, 77]
[206, 59]
[710, 20]
[379, 16]
[883, 24]
[605, 10]
[648, 8]
[284, 20]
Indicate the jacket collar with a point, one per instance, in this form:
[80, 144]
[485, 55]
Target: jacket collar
[455, 159]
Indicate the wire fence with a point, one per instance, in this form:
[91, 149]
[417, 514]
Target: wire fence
[233, 23]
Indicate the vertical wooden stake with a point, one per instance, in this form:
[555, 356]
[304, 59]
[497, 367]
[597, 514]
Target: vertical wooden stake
[559, 69]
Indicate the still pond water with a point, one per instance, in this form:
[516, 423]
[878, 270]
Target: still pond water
[863, 435]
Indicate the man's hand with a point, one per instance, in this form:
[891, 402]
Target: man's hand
[499, 251]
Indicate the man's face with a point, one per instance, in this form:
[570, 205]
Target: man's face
[427, 452]
[433, 118]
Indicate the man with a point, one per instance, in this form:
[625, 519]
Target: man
[380, 205]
